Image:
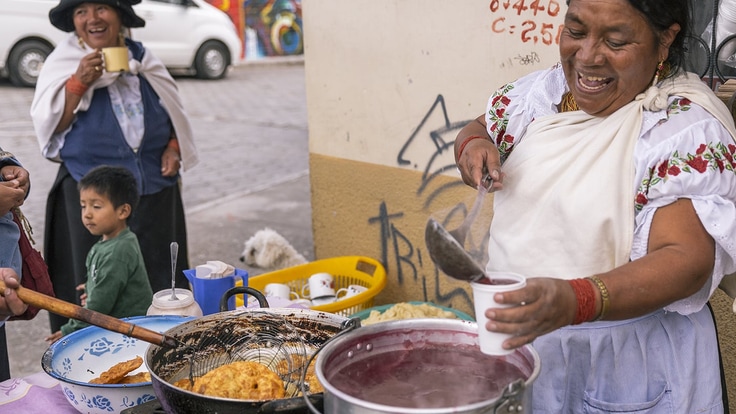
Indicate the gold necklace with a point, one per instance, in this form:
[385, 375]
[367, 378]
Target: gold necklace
[568, 103]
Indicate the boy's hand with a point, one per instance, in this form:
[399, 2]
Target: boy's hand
[53, 337]
[83, 296]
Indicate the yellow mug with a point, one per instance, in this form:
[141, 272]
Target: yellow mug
[116, 59]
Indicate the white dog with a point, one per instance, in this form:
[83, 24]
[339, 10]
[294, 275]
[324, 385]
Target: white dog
[267, 249]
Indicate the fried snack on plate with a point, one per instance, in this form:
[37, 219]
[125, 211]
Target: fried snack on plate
[118, 371]
[245, 380]
[406, 310]
[144, 376]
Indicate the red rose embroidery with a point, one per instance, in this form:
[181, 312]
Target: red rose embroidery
[505, 100]
[674, 170]
[641, 199]
[495, 100]
[684, 102]
[508, 138]
[500, 112]
[662, 169]
[719, 163]
[698, 163]
[701, 149]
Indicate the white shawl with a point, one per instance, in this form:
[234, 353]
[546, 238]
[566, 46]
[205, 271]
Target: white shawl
[48, 101]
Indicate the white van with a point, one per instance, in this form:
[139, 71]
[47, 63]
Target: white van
[190, 36]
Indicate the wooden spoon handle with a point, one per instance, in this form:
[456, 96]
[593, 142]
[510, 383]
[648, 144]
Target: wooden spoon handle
[71, 310]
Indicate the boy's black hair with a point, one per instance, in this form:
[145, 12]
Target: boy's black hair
[116, 183]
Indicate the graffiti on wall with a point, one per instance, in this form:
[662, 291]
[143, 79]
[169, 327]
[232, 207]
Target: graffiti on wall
[400, 255]
[273, 28]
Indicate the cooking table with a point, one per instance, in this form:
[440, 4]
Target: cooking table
[36, 393]
[40, 393]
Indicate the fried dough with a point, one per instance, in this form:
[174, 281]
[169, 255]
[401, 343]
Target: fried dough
[245, 380]
[118, 371]
[136, 378]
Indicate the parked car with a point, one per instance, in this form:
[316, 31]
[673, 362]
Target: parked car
[189, 36]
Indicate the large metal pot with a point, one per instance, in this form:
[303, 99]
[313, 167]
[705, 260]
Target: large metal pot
[209, 341]
[352, 367]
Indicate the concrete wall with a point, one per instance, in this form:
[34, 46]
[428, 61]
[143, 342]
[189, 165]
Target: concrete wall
[389, 83]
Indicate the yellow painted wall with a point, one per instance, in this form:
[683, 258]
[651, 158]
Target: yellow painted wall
[389, 84]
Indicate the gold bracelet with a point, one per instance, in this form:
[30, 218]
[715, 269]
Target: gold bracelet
[605, 299]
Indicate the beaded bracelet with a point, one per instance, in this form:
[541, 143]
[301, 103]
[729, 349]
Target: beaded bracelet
[465, 142]
[75, 86]
[605, 298]
[585, 295]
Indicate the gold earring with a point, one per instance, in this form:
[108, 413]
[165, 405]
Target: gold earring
[80, 42]
[659, 72]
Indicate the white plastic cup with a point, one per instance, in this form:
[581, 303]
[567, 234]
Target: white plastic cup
[320, 285]
[726, 26]
[491, 343]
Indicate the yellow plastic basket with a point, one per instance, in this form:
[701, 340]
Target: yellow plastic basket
[347, 270]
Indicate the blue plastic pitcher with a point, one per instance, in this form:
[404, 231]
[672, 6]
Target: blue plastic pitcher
[208, 292]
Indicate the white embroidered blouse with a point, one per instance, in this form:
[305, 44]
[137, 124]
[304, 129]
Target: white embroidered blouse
[682, 152]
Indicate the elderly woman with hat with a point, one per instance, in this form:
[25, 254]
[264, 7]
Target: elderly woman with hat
[85, 116]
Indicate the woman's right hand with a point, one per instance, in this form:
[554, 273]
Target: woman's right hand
[11, 195]
[478, 156]
[90, 68]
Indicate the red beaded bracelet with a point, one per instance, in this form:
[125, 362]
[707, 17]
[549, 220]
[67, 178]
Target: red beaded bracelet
[75, 86]
[465, 142]
[585, 295]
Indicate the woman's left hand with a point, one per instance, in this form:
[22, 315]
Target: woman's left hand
[170, 162]
[548, 304]
[10, 303]
[20, 174]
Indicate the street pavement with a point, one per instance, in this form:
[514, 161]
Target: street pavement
[251, 133]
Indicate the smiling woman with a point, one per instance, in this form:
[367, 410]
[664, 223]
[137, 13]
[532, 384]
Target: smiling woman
[85, 116]
[207, 52]
[621, 250]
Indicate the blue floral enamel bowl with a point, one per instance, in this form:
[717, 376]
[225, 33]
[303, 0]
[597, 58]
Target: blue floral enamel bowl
[83, 355]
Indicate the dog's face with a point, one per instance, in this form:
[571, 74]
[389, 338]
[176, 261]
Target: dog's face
[252, 247]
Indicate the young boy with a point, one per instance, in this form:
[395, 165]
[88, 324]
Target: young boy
[117, 282]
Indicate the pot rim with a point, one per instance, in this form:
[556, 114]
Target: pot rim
[450, 325]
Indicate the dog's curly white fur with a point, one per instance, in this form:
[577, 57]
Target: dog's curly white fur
[267, 249]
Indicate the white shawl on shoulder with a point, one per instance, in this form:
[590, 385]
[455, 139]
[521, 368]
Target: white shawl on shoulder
[48, 101]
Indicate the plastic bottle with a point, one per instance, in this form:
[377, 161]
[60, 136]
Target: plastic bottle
[184, 304]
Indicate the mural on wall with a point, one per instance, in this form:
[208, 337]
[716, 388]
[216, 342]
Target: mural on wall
[273, 28]
[266, 27]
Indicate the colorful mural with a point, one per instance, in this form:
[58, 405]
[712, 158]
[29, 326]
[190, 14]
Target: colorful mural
[266, 27]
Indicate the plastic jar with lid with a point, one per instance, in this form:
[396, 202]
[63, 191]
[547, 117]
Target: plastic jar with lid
[183, 305]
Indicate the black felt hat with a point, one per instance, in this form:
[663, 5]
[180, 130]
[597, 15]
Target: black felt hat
[61, 15]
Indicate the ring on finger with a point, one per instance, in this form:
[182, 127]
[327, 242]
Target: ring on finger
[97, 68]
[522, 303]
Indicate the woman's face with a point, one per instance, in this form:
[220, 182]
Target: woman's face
[97, 24]
[609, 53]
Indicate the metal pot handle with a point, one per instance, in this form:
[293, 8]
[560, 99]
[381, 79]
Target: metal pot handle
[347, 326]
[240, 290]
[510, 400]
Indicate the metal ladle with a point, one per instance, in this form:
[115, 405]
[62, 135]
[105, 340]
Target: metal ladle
[174, 255]
[446, 247]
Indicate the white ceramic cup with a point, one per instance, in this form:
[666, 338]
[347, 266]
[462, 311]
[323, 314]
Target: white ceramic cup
[320, 285]
[116, 59]
[483, 291]
[349, 291]
[280, 290]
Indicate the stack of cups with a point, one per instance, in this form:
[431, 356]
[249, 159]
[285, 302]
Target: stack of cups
[726, 26]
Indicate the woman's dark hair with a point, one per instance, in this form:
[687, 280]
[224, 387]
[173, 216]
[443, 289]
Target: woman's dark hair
[661, 14]
[116, 183]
